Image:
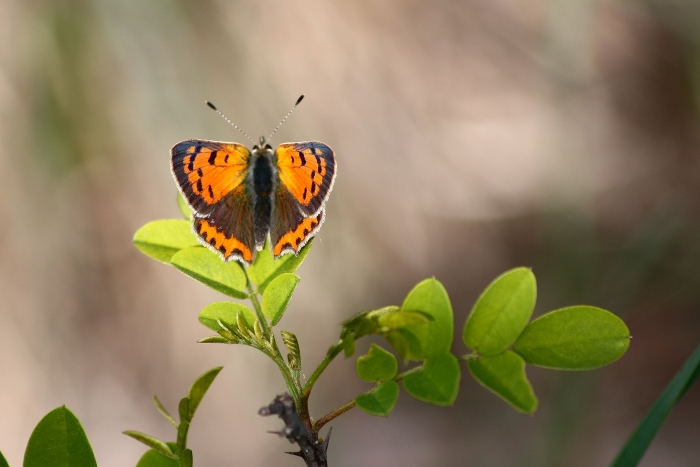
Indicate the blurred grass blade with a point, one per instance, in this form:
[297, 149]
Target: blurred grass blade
[638, 443]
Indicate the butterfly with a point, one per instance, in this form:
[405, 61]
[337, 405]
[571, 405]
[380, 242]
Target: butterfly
[239, 196]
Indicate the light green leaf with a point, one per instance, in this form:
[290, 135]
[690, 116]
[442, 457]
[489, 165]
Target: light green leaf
[381, 400]
[574, 338]
[430, 298]
[504, 375]
[163, 411]
[214, 340]
[264, 269]
[208, 268]
[200, 388]
[184, 208]
[226, 313]
[501, 312]
[401, 319]
[377, 365]
[153, 458]
[152, 442]
[163, 238]
[59, 441]
[438, 383]
[277, 296]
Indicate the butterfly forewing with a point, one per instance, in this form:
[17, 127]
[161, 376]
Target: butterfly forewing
[206, 171]
[307, 170]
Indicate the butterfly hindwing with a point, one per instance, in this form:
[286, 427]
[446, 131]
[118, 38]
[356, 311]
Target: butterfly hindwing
[290, 229]
[228, 229]
[307, 170]
[207, 171]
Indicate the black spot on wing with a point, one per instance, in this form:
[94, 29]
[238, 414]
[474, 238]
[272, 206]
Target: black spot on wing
[212, 157]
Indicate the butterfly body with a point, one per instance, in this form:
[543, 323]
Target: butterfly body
[239, 197]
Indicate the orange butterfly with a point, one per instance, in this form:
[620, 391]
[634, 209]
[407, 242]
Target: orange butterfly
[238, 196]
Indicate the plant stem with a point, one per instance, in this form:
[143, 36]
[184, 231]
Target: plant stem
[253, 295]
[350, 405]
[330, 355]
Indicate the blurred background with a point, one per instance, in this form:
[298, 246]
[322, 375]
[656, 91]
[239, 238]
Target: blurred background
[471, 137]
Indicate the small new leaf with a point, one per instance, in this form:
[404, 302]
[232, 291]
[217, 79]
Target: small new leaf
[152, 442]
[163, 411]
[292, 344]
[225, 312]
[377, 365]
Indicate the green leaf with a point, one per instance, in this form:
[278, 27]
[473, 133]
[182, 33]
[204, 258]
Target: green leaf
[429, 297]
[636, 446]
[163, 238]
[153, 458]
[208, 268]
[59, 441]
[152, 442]
[501, 312]
[264, 269]
[504, 375]
[381, 400]
[3, 462]
[401, 319]
[277, 296]
[163, 411]
[225, 312]
[574, 338]
[377, 365]
[184, 208]
[438, 383]
[214, 340]
[200, 388]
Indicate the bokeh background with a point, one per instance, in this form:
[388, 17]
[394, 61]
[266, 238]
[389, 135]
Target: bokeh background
[471, 137]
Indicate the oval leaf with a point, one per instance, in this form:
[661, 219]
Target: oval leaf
[163, 238]
[59, 441]
[277, 296]
[501, 312]
[153, 458]
[430, 298]
[226, 312]
[574, 338]
[208, 268]
[265, 268]
[200, 387]
[438, 383]
[381, 400]
[504, 375]
[377, 365]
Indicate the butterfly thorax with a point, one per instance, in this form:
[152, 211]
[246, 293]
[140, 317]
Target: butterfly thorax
[263, 178]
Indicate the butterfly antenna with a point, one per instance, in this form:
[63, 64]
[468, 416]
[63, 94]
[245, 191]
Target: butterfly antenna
[226, 118]
[285, 117]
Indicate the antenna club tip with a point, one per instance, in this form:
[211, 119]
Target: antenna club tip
[299, 100]
[210, 105]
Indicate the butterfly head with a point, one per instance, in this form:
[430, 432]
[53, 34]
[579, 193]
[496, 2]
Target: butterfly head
[263, 148]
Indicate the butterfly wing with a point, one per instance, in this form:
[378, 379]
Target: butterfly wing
[290, 229]
[307, 170]
[211, 176]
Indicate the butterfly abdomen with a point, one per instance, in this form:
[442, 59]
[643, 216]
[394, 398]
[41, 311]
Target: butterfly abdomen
[263, 185]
